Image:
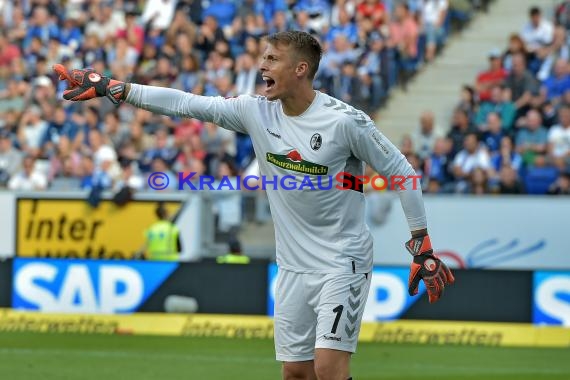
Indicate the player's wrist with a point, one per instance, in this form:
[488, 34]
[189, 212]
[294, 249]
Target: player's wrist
[419, 233]
[126, 91]
[420, 246]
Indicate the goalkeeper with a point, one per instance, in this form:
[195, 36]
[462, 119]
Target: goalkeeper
[324, 248]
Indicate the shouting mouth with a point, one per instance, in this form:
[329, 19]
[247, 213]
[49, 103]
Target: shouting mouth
[269, 82]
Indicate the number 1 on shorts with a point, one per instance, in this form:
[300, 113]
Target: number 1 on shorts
[338, 311]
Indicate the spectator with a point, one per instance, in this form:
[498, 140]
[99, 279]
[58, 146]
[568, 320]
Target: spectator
[537, 32]
[10, 158]
[559, 140]
[531, 139]
[340, 52]
[177, 44]
[31, 131]
[70, 33]
[12, 99]
[509, 182]
[216, 140]
[318, 12]
[404, 34]
[501, 104]
[129, 177]
[67, 178]
[493, 133]
[460, 128]
[424, 139]
[417, 165]
[29, 178]
[506, 156]
[468, 101]
[104, 156]
[122, 57]
[162, 148]
[370, 73]
[247, 75]
[437, 165]
[116, 132]
[189, 77]
[434, 13]
[106, 22]
[472, 156]
[516, 46]
[345, 26]
[522, 84]
[558, 49]
[561, 186]
[181, 25]
[562, 14]
[557, 84]
[494, 76]
[60, 152]
[346, 86]
[478, 182]
[208, 34]
[227, 206]
[159, 165]
[280, 23]
[87, 171]
[159, 14]
[373, 10]
[407, 145]
[9, 53]
[42, 28]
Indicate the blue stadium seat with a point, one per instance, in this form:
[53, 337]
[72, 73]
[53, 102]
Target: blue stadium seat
[538, 180]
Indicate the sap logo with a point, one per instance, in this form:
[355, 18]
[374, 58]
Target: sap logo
[388, 297]
[84, 288]
[552, 298]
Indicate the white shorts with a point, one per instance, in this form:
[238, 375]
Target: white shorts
[318, 311]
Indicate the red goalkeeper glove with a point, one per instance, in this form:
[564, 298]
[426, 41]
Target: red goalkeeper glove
[87, 84]
[427, 267]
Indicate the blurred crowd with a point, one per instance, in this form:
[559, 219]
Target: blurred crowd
[510, 131]
[206, 47]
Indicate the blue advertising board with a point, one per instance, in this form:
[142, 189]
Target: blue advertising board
[81, 286]
[551, 298]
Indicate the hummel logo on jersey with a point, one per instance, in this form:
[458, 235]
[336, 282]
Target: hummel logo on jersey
[328, 337]
[316, 141]
[276, 135]
[378, 142]
[294, 162]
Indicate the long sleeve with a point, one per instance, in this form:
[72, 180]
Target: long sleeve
[370, 146]
[227, 113]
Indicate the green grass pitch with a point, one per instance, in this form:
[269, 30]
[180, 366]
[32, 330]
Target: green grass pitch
[29, 356]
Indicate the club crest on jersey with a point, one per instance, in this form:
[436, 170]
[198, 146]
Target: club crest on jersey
[316, 141]
[294, 161]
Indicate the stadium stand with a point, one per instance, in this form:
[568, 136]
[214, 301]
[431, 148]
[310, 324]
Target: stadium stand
[518, 110]
[209, 48]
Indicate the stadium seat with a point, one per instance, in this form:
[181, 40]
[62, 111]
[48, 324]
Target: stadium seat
[538, 180]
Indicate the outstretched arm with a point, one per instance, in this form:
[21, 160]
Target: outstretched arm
[87, 84]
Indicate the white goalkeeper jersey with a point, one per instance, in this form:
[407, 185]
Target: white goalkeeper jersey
[319, 228]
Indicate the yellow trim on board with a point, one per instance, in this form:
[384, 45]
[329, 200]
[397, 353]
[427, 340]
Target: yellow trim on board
[261, 327]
